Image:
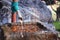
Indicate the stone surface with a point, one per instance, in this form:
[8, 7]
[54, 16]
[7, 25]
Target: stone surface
[31, 10]
[30, 31]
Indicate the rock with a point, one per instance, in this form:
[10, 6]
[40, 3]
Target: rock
[30, 31]
[32, 11]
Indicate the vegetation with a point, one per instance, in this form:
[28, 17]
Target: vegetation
[57, 25]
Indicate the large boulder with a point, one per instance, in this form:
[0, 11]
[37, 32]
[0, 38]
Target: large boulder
[31, 10]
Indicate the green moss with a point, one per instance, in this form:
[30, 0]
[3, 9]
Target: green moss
[57, 25]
